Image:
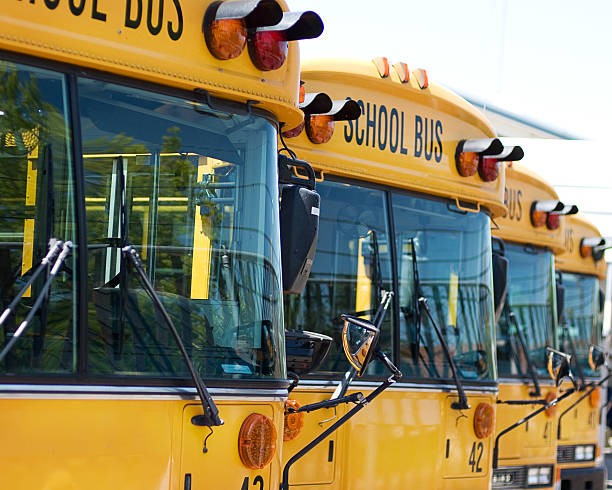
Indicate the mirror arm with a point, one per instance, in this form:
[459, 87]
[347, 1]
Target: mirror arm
[523, 420]
[523, 402]
[462, 404]
[585, 395]
[311, 407]
[284, 485]
[295, 379]
[536, 384]
[344, 383]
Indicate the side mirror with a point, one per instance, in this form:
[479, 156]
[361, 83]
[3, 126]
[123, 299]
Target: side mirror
[559, 366]
[360, 340]
[560, 288]
[299, 229]
[597, 357]
[305, 351]
[602, 300]
[500, 283]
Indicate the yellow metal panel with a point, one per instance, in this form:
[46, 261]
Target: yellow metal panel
[28, 250]
[165, 46]
[578, 227]
[406, 137]
[523, 187]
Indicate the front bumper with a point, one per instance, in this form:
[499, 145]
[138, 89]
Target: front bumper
[593, 478]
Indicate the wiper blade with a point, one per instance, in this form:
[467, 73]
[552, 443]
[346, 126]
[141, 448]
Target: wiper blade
[55, 246]
[210, 417]
[532, 373]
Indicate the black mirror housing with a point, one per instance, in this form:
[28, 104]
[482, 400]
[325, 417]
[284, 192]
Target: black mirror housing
[500, 283]
[305, 351]
[560, 290]
[299, 226]
[597, 357]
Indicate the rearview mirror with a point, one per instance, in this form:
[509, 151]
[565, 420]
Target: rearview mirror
[597, 357]
[500, 283]
[360, 340]
[559, 366]
[299, 229]
[305, 351]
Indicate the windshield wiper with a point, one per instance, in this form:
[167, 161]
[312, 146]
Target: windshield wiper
[210, 417]
[530, 367]
[462, 404]
[54, 247]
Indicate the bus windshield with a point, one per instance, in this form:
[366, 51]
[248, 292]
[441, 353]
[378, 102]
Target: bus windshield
[581, 317]
[530, 298]
[193, 188]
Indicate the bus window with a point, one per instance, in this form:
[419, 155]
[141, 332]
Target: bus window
[351, 268]
[36, 203]
[195, 190]
[581, 318]
[530, 299]
[449, 251]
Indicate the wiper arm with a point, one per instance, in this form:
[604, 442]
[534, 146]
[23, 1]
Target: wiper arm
[462, 404]
[532, 373]
[55, 246]
[210, 417]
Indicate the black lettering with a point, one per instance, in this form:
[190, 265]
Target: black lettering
[76, 10]
[95, 13]
[51, 4]
[403, 150]
[519, 195]
[155, 30]
[259, 480]
[393, 145]
[371, 123]
[382, 144]
[418, 136]
[428, 139]
[129, 21]
[358, 136]
[348, 126]
[245, 483]
[439, 141]
[175, 35]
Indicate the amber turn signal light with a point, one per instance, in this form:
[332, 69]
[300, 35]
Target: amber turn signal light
[257, 441]
[294, 422]
[484, 418]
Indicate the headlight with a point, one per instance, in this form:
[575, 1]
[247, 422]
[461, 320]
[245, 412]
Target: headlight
[579, 454]
[546, 474]
[533, 476]
[539, 475]
[589, 453]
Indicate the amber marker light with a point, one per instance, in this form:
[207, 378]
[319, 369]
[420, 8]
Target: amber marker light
[226, 24]
[550, 411]
[484, 418]
[294, 422]
[467, 163]
[319, 128]
[470, 157]
[256, 441]
[595, 398]
[302, 92]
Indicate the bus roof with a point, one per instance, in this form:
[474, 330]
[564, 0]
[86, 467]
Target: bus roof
[406, 136]
[166, 46]
[524, 187]
[577, 227]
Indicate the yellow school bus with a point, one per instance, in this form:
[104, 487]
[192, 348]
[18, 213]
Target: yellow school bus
[528, 235]
[139, 241]
[408, 191]
[581, 271]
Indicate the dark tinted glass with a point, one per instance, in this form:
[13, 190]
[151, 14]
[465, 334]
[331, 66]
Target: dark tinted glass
[195, 191]
[450, 252]
[351, 268]
[530, 289]
[36, 203]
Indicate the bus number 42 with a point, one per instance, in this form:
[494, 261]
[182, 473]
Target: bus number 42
[475, 456]
[257, 481]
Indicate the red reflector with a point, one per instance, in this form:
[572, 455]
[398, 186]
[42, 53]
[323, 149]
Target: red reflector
[553, 221]
[226, 38]
[268, 49]
[320, 128]
[488, 169]
[292, 133]
[467, 163]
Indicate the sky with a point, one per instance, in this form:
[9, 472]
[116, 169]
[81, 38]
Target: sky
[546, 60]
